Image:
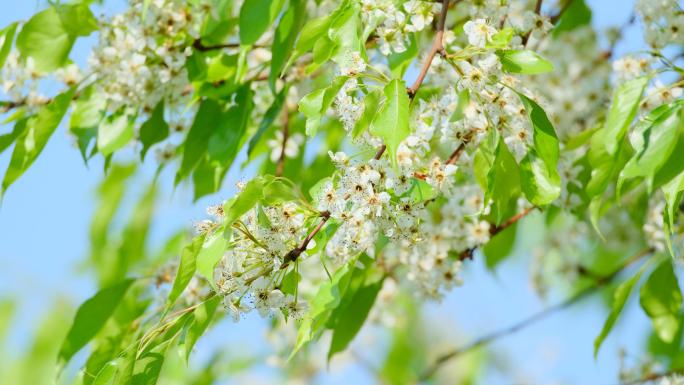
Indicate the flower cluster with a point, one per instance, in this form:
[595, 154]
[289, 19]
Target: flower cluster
[141, 54]
[663, 21]
[394, 24]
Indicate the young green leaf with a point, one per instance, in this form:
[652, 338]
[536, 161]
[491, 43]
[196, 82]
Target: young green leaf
[154, 130]
[575, 15]
[539, 187]
[255, 18]
[353, 316]
[85, 119]
[315, 104]
[503, 183]
[46, 40]
[500, 246]
[114, 133]
[90, 318]
[327, 298]
[202, 317]
[653, 144]
[370, 109]
[524, 62]
[622, 111]
[186, 269]
[620, 297]
[197, 140]
[39, 129]
[6, 40]
[269, 117]
[252, 193]
[210, 254]
[285, 35]
[661, 299]
[391, 123]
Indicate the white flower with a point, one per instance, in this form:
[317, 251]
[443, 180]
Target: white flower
[291, 146]
[478, 32]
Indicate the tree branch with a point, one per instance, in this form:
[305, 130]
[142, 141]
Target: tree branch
[297, 251]
[488, 338]
[468, 253]
[437, 47]
[280, 167]
[654, 376]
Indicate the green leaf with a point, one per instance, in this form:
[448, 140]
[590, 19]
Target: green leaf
[327, 298]
[503, 183]
[39, 129]
[315, 104]
[186, 269]
[90, 318]
[6, 140]
[210, 254]
[605, 144]
[114, 133]
[539, 187]
[500, 246]
[225, 141]
[285, 35]
[197, 140]
[85, 119]
[108, 374]
[6, 40]
[255, 18]
[620, 297]
[312, 32]
[661, 299]
[653, 144]
[575, 15]
[269, 117]
[524, 62]
[252, 193]
[399, 62]
[201, 320]
[622, 111]
[46, 40]
[391, 123]
[501, 39]
[154, 130]
[544, 135]
[77, 19]
[370, 109]
[673, 195]
[352, 317]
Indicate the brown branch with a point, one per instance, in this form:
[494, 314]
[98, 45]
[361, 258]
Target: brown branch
[654, 377]
[554, 19]
[468, 253]
[297, 251]
[381, 151]
[537, 10]
[453, 158]
[488, 338]
[198, 45]
[437, 47]
[280, 167]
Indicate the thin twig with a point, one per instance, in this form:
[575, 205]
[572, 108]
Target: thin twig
[453, 158]
[537, 10]
[468, 253]
[280, 167]
[486, 339]
[297, 251]
[437, 47]
[653, 377]
[381, 151]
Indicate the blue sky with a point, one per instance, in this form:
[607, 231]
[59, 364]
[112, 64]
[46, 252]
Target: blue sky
[44, 221]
